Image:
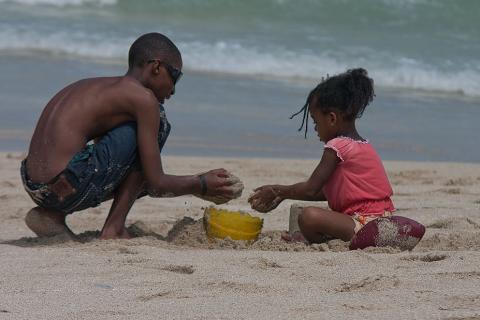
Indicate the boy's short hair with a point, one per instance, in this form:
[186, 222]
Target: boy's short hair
[153, 46]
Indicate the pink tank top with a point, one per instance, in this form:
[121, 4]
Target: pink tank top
[359, 184]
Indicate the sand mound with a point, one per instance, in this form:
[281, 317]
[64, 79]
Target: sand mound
[191, 233]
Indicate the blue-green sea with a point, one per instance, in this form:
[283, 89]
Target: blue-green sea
[250, 64]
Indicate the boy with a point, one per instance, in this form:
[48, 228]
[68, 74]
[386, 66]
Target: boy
[124, 116]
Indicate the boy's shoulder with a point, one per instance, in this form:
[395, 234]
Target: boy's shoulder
[131, 90]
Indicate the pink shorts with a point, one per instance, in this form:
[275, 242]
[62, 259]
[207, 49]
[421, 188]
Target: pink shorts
[361, 220]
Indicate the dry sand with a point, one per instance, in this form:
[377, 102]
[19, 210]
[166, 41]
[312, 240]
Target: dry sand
[184, 276]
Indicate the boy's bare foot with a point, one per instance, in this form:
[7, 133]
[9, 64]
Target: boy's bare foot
[297, 236]
[110, 233]
[47, 223]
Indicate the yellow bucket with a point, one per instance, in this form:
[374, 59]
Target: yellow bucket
[237, 225]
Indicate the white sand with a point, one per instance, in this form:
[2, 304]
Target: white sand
[149, 278]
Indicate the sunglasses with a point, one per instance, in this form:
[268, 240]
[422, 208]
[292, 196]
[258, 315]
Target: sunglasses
[174, 73]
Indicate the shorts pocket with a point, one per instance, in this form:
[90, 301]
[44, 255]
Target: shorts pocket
[86, 199]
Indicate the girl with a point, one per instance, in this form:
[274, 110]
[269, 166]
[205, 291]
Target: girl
[350, 175]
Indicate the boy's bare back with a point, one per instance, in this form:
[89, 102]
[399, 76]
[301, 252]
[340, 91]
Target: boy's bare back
[80, 112]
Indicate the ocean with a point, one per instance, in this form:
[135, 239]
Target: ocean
[248, 65]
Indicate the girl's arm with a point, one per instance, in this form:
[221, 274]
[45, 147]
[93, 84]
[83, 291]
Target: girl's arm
[311, 190]
[268, 197]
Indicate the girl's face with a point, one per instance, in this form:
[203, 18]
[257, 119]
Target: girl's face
[325, 124]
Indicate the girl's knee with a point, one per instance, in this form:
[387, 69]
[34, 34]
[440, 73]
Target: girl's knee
[308, 215]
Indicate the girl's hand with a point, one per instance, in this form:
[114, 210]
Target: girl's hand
[264, 199]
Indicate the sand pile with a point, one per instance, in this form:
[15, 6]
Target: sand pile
[191, 233]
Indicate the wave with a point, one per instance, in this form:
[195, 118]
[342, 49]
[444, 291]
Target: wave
[62, 3]
[414, 44]
[233, 58]
[402, 73]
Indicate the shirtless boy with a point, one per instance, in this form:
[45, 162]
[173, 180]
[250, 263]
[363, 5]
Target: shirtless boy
[124, 116]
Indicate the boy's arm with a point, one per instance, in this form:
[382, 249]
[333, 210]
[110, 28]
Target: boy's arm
[310, 190]
[160, 184]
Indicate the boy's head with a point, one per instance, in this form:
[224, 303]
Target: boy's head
[151, 46]
[346, 94]
[160, 61]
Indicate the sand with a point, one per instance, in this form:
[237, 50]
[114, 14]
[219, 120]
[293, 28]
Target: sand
[180, 274]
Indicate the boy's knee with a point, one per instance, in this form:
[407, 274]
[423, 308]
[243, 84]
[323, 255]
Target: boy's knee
[125, 134]
[119, 145]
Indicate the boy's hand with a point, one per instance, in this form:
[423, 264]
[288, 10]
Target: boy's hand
[216, 183]
[220, 186]
[264, 199]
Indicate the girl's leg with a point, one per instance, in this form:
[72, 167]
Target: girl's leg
[316, 222]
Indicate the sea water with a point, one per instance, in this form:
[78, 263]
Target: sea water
[250, 64]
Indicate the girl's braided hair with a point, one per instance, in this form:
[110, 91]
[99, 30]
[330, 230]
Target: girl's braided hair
[348, 93]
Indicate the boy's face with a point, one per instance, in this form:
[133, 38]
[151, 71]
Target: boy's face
[162, 78]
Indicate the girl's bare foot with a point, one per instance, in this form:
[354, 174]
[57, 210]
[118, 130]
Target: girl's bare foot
[48, 223]
[297, 236]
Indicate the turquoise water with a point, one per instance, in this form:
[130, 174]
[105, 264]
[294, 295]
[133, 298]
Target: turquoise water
[419, 44]
[250, 64]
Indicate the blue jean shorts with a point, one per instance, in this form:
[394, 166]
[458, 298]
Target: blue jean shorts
[94, 172]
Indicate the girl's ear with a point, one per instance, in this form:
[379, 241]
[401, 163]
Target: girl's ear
[332, 118]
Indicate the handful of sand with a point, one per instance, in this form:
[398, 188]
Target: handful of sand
[264, 206]
[236, 188]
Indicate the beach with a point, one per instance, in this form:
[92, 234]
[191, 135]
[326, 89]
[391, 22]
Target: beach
[248, 66]
[190, 278]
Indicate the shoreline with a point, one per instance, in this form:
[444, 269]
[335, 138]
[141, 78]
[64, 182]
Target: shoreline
[237, 117]
[294, 81]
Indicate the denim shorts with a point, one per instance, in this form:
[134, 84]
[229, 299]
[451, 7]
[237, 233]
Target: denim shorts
[96, 171]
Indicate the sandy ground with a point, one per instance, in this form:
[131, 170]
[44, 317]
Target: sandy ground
[191, 278]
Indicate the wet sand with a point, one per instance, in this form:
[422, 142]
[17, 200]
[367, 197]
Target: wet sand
[183, 275]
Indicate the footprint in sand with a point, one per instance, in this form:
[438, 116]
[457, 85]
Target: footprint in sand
[369, 284]
[149, 297]
[458, 240]
[267, 264]
[466, 275]
[451, 191]
[462, 302]
[125, 250]
[431, 257]
[459, 182]
[179, 269]
[8, 184]
[460, 223]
